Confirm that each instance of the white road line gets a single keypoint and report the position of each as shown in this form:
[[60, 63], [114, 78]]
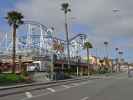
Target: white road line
[[37, 96], [66, 86], [83, 83], [50, 89], [28, 94], [85, 98], [75, 84]]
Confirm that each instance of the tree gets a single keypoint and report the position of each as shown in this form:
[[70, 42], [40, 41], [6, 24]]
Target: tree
[[106, 47], [65, 9], [58, 47], [117, 52], [116, 49], [14, 19], [120, 59], [87, 46]]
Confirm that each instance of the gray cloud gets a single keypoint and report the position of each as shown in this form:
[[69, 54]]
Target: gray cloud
[[97, 14]]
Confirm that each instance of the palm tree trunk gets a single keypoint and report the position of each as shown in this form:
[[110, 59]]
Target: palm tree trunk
[[88, 60], [14, 49]]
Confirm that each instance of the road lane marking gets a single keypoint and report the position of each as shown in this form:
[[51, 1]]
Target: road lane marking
[[37, 96], [75, 84], [83, 83], [28, 94], [50, 89], [85, 98], [66, 86]]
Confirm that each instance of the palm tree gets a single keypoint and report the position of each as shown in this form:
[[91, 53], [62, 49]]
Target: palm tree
[[120, 59], [14, 19], [120, 54], [116, 49], [65, 8], [87, 46], [106, 47]]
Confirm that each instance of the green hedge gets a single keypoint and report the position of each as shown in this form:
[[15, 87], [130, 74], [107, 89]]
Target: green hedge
[[10, 79], [103, 71]]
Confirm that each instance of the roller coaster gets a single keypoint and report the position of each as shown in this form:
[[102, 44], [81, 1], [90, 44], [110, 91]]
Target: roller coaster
[[38, 40]]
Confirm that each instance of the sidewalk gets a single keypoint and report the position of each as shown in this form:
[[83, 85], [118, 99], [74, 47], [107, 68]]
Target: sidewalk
[[23, 84], [39, 83], [110, 75], [96, 76]]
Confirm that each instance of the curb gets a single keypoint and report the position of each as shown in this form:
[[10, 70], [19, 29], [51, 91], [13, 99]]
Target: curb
[[41, 83], [8, 91]]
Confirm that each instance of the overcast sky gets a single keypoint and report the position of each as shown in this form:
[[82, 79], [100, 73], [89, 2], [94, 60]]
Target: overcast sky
[[99, 19]]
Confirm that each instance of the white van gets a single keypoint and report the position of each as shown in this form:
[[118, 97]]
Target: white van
[[38, 66]]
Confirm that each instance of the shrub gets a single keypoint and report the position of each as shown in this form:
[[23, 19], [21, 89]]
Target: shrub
[[11, 78], [103, 70]]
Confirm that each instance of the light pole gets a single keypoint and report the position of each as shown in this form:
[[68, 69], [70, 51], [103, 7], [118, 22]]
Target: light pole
[[65, 8], [116, 49], [106, 48], [128, 66], [120, 58], [106, 55]]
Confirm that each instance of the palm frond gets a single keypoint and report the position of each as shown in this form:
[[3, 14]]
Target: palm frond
[[87, 45], [14, 17], [65, 7]]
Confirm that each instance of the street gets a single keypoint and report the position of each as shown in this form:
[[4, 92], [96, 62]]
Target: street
[[66, 50], [117, 87]]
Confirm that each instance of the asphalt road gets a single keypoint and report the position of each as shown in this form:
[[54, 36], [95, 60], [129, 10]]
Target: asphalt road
[[115, 88]]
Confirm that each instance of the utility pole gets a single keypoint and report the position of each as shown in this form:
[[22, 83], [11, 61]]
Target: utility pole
[[20, 63], [106, 55], [117, 58], [53, 59], [128, 70], [120, 59]]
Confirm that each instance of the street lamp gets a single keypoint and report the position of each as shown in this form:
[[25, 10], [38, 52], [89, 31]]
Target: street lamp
[[120, 58], [106, 47], [65, 8], [106, 56], [117, 64]]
